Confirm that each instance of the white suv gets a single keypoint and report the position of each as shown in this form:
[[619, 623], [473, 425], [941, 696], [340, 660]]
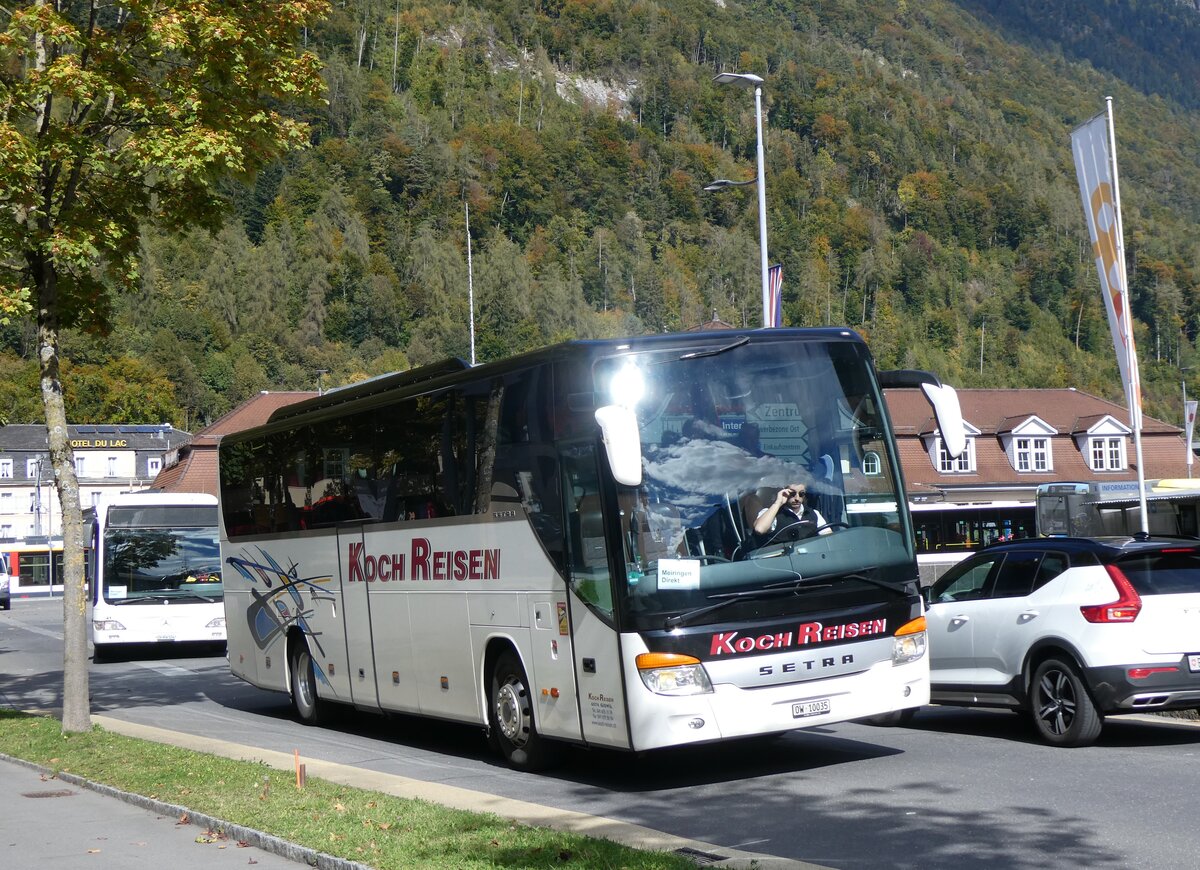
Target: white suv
[[1070, 630]]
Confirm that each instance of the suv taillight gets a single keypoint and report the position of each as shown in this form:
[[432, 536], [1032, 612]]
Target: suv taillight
[[1125, 609]]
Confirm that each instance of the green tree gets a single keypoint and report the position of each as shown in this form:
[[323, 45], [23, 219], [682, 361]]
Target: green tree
[[112, 115], [125, 388]]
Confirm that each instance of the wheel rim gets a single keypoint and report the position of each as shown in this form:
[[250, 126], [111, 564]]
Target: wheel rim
[[1056, 709], [511, 714], [304, 689]]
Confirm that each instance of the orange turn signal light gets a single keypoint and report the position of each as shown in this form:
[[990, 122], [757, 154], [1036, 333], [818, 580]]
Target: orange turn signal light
[[913, 626], [650, 661]]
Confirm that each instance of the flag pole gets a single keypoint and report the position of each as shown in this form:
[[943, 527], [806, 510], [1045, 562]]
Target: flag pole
[[470, 280], [1135, 394]]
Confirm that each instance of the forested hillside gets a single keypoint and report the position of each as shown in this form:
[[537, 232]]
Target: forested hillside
[[919, 178]]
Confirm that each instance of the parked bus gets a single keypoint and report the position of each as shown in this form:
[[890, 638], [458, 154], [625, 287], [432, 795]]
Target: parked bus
[[946, 533], [1114, 508], [156, 571], [559, 547], [35, 567]]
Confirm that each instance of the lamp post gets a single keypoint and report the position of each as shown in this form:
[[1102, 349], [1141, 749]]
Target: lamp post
[[37, 499], [39, 464], [750, 80]]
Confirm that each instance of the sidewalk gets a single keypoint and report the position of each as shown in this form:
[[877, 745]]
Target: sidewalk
[[67, 823], [58, 824]]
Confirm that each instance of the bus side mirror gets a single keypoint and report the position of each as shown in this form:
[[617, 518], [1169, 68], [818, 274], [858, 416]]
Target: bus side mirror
[[622, 443], [943, 398], [948, 413]]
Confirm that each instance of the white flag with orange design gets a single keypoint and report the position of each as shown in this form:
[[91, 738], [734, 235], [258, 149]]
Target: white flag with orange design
[[1189, 419], [1101, 206]]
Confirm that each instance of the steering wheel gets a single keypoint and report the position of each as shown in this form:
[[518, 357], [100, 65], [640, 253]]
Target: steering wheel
[[836, 524]]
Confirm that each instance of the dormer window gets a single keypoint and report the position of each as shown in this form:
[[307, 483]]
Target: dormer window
[[943, 461], [963, 464], [1102, 441], [871, 465], [1029, 446], [1033, 454], [1107, 453]]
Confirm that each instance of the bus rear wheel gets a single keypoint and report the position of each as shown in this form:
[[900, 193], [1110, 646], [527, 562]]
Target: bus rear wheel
[[510, 716], [304, 686]]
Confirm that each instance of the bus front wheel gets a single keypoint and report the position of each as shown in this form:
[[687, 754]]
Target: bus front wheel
[[304, 686], [510, 715]]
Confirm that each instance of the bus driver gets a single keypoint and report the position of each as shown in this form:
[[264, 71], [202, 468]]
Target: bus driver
[[789, 509]]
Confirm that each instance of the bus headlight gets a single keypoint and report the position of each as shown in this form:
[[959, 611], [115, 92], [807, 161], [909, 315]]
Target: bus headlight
[[107, 625], [219, 622], [673, 674], [908, 644]]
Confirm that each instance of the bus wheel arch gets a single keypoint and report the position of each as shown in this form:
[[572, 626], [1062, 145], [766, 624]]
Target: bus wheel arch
[[302, 681], [511, 709]]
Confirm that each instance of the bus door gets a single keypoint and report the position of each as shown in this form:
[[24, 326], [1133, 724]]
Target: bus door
[[595, 642], [356, 619]]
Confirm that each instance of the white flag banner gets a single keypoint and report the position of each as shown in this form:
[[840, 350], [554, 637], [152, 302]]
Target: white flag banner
[[1097, 186], [1189, 415]]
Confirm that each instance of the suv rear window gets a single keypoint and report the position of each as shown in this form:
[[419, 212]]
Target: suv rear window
[[1163, 573]]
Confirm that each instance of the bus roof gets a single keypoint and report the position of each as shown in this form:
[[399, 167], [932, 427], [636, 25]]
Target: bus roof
[[456, 370]]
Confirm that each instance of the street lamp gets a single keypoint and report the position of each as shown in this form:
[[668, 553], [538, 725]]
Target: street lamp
[[750, 80], [37, 498]]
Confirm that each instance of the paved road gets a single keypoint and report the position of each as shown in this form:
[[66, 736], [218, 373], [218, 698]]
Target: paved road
[[958, 789]]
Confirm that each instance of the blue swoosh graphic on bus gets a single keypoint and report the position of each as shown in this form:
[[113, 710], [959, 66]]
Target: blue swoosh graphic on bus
[[270, 614]]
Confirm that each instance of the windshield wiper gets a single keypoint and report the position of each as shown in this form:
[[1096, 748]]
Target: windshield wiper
[[697, 354], [207, 598], [860, 574], [163, 596], [145, 596], [727, 598], [784, 588]]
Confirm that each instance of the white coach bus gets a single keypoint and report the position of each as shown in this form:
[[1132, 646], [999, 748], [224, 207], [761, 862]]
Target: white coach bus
[[559, 546], [156, 571]]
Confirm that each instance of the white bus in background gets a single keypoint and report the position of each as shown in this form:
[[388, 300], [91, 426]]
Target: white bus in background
[[1114, 508], [156, 571], [559, 547]]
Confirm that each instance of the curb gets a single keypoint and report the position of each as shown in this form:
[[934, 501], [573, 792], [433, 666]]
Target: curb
[[258, 839], [523, 812]]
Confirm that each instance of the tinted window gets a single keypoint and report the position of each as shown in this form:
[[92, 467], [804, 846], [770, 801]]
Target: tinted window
[[1163, 573], [1016, 575], [965, 582], [1052, 565]]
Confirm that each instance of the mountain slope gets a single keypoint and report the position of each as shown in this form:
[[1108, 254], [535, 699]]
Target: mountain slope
[[919, 181]]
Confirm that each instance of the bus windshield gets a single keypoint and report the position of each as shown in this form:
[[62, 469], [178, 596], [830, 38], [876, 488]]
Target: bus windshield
[[723, 433], [177, 557]]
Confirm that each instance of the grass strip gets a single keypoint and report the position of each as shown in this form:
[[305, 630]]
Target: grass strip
[[381, 830]]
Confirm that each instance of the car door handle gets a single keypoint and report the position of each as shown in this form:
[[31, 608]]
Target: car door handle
[[1027, 615], [960, 619]]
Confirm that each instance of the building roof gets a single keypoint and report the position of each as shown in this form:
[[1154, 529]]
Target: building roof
[[32, 436], [997, 412], [194, 467]]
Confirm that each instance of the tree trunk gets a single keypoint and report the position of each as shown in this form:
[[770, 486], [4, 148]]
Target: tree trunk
[[76, 706]]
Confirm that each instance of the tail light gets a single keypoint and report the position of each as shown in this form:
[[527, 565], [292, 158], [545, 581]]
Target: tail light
[[1125, 609], [1143, 673]]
